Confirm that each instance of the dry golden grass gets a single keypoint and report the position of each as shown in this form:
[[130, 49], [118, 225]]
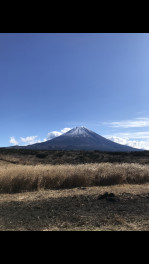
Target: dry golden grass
[[19, 178]]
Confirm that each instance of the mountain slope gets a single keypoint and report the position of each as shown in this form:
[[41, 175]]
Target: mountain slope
[[81, 138]]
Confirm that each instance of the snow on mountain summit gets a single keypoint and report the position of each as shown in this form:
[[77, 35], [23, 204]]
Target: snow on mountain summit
[[78, 131]]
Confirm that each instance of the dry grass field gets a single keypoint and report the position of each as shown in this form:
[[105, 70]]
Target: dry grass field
[[87, 197], [18, 178]]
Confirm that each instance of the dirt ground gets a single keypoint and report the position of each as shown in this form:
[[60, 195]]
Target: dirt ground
[[78, 209]]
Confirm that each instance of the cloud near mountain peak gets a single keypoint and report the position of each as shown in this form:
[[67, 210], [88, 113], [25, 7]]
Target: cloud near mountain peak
[[34, 139]]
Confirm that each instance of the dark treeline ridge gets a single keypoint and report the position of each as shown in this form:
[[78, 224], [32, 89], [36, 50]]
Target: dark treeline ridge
[[25, 156]]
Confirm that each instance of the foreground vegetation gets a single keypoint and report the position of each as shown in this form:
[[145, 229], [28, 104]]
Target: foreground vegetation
[[74, 190], [19, 178]]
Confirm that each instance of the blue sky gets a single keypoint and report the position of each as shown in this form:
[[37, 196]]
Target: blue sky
[[51, 82]]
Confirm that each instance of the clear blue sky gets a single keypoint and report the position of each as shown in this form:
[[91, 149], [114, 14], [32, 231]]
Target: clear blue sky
[[53, 81]]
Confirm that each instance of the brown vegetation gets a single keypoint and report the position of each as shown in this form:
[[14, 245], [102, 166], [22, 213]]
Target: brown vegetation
[[19, 178], [60, 190]]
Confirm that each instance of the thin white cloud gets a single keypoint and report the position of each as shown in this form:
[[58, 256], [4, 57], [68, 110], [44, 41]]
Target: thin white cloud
[[138, 122], [13, 141], [140, 144], [34, 139], [134, 135], [66, 129], [30, 140], [54, 134]]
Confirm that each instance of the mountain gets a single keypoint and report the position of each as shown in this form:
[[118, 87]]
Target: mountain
[[81, 138]]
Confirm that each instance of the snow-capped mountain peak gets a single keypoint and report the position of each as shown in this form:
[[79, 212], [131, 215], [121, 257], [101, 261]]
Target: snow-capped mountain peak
[[79, 131]]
